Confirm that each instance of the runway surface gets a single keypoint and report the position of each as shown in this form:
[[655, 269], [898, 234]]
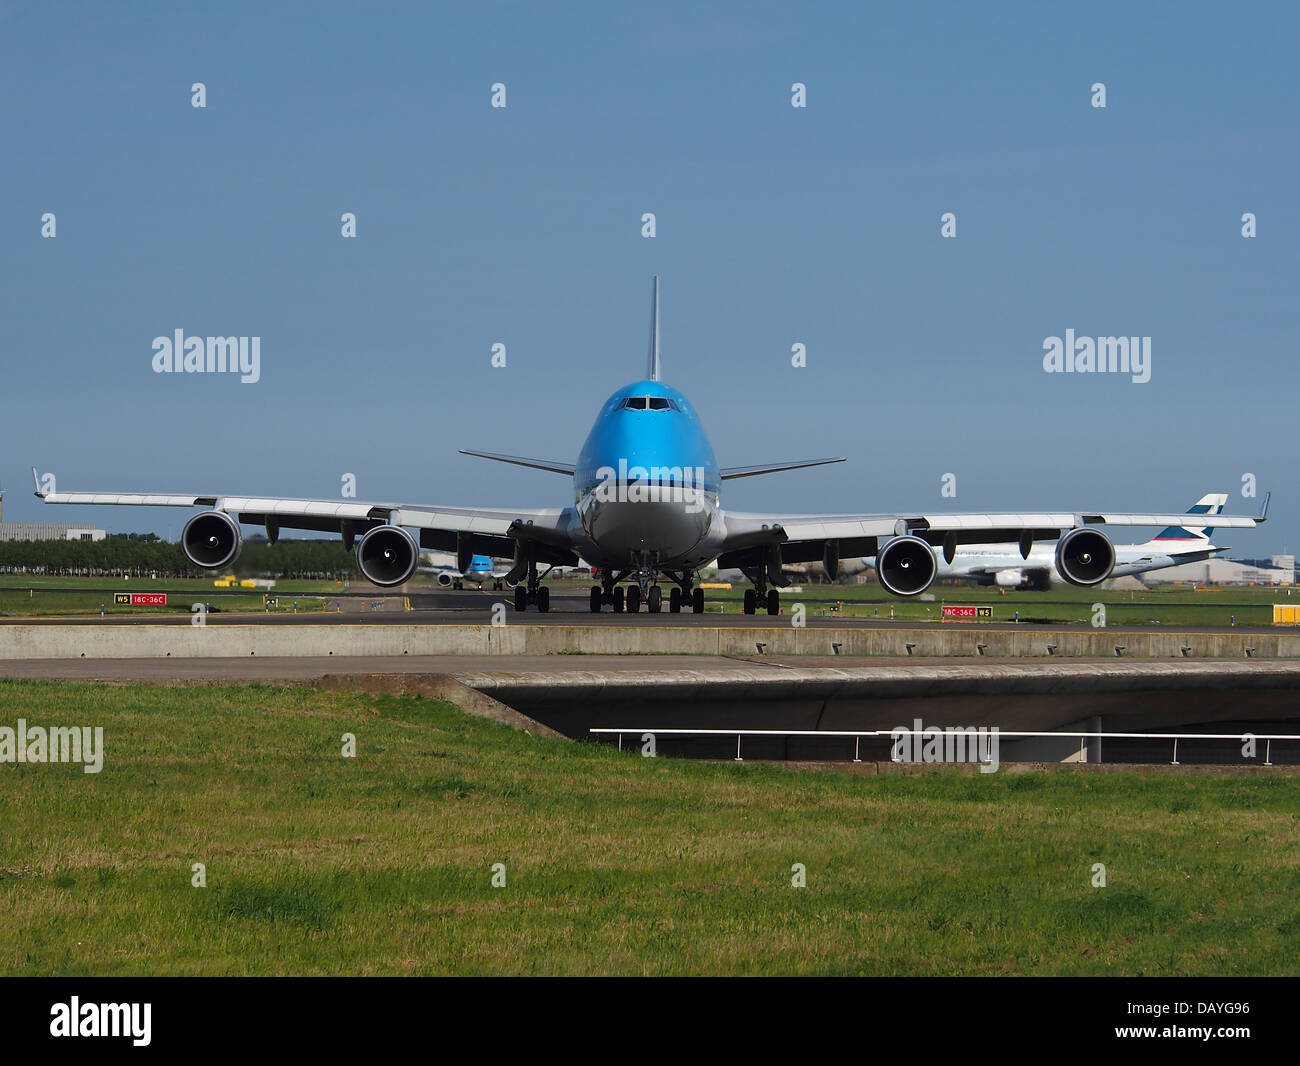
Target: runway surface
[[703, 668], [569, 606], [564, 616]]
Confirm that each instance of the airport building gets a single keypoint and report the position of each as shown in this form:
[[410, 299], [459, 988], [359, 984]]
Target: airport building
[[1279, 570], [44, 530]]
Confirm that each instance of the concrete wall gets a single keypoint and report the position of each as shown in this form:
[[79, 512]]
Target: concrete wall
[[223, 641]]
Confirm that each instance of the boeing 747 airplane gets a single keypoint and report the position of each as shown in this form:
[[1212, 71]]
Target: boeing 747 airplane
[[646, 507]]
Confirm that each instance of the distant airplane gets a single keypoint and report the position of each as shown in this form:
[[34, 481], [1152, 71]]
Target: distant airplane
[[1004, 566], [647, 506], [479, 572]]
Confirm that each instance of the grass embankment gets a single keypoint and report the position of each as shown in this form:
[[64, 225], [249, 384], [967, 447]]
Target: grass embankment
[[615, 864]]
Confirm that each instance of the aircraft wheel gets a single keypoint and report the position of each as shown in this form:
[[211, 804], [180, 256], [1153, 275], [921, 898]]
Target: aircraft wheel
[[595, 599], [521, 598], [751, 601], [773, 602], [543, 599], [618, 600], [633, 599], [655, 601], [697, 601], [674, 601]]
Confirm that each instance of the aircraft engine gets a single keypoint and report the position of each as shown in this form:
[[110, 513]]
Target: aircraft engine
[[445, 580], [387, 555], [905, 566], [1009, 579], [1085, 557], [211, 539]]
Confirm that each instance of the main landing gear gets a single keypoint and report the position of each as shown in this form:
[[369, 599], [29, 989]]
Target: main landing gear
[[647, 591], [533, 592], [540, 597], [753, 597], [608, 593]]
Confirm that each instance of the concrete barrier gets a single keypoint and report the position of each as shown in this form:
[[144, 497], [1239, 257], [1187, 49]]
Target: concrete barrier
[[19, 641]]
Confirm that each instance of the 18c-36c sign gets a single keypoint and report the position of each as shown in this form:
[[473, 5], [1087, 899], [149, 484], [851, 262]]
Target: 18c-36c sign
[[968, 612]]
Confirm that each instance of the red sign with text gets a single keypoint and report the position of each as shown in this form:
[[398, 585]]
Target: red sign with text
[[968, 612], [141, 599]]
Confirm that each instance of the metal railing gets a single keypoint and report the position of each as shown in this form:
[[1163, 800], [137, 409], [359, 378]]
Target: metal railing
[[874, 734]]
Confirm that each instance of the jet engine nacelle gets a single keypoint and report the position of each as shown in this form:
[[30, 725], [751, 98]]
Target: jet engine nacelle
[[1085, 557], [445, 580], [1009, 579], [905, 566], [387, 555], [211, 539]]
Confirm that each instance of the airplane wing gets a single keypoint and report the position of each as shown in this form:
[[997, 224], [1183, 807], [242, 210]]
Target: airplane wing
[[489, 530], [804, 537]]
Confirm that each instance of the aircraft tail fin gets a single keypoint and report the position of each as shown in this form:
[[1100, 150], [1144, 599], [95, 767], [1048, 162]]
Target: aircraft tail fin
[[1192, 533], [652, 368]]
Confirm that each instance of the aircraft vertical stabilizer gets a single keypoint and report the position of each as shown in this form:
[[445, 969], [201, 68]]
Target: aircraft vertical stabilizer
[[652, 370]]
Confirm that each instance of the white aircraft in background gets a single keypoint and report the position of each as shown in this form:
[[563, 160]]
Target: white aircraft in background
[[1005, 566]]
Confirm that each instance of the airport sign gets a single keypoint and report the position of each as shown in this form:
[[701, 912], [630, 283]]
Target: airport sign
[[968, 612], [140, 599]]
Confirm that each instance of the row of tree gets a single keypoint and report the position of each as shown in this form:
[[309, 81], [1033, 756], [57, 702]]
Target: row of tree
[[142, 555]]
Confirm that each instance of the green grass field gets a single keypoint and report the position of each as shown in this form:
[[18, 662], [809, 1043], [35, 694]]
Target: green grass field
[[615, 864], [38, 596], [144, 584], [1164, 605]]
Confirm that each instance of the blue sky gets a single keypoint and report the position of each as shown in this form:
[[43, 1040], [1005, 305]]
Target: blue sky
[[775, 225]]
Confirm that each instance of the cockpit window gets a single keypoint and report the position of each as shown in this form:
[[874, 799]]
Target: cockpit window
[[650, 403]]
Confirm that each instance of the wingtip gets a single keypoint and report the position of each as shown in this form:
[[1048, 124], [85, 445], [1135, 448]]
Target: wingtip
[[36, 482], [1264, 510]]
